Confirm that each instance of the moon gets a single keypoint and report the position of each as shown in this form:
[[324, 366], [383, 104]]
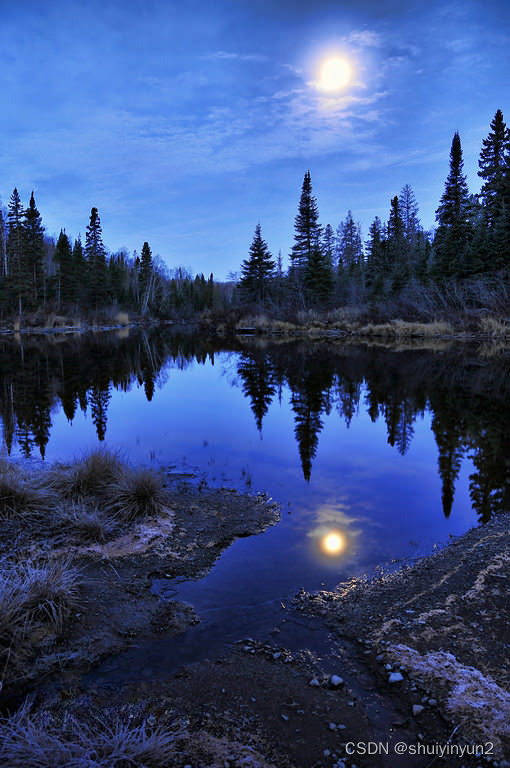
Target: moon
[[333, 543], [335, 74]]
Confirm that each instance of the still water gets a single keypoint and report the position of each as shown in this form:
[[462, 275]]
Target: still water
[[387, 452]]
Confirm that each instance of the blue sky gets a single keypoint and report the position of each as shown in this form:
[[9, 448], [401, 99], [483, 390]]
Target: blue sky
[[185, 123]]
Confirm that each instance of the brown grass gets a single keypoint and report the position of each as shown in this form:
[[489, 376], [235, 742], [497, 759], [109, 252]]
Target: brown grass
[[89, 476], [135, 494], [17, 497]]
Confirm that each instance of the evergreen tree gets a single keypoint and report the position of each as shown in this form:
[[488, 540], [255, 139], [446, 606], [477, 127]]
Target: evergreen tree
[[328, 244], [257, 270], [307, 230], [80, 271], [3, 246], [63, 256], [453, 215], [16, 263], [376, 265], [396, 247], [146, 276], [318, 277], [349, 247], [33, 231], [95, 253], [492, 164]]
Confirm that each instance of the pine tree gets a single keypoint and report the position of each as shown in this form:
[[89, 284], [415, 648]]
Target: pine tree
[[80, 271], [328, 244], [95, 253], [63, 256], [349, 247], [318, 277], [376, 263], [33, 231], [307, 230], [396, 247], [492, 165], [453, 214], [145, 276], [257, 270], [16, 262], [3, 247]]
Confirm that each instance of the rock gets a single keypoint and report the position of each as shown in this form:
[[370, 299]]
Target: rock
[[417, 709], [432, 702], [285, 717], [335, 681], [276, 655], [314, 683], [395, 677]]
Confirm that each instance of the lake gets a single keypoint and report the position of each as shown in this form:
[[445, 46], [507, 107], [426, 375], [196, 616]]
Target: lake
[[376, 455]]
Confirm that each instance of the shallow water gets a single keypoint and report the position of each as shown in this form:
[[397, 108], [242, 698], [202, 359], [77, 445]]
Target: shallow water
[[392, 452]]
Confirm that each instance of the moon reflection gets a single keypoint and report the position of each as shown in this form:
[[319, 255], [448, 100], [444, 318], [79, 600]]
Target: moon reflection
[[333, 543]]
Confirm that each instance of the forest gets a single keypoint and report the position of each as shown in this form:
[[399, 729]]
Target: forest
[[401, 270]]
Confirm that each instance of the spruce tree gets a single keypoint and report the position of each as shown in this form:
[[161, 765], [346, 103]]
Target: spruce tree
[[95, 253], [257, 270], [492, 164], [33, 232], [145, 276], [453, 215], [63, 256], [318, 278], [306, 229], [376, 265], [80, 271], [349, 247], [19, 277], [396, 247]]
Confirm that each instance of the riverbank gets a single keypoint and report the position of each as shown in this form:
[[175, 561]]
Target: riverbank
[[416, 657]]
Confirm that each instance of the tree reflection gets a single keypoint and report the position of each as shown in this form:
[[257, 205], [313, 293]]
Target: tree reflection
[[469, 403]]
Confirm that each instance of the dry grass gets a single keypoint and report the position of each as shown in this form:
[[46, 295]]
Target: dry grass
[[122, 318], [41, 741], [17, 497], [89, 476], [34, 596], [135, 494], [400, 329], [89, 522]]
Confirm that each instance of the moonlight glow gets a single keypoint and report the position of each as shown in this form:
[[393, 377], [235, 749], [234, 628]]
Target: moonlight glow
[[333, 543], [335, 74]]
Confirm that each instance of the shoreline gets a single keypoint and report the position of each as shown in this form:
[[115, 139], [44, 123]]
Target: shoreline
[[414, 656]]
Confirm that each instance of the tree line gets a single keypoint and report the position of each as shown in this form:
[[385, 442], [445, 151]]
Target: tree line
[[328, 268], [38, 274]]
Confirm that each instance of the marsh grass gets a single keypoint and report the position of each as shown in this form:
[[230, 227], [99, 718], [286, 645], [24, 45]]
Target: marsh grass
[[495, 328], [89, 522], [89, 476], [19, 498], [28, 739], [32, 596], [135, 494]]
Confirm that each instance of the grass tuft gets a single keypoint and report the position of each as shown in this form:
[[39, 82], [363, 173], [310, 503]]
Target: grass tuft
[[89, 476], [40, 740], [89, 523], [136, 494], [17, 497]]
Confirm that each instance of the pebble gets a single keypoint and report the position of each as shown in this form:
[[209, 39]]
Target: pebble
[[417, 709], [388, 666], [395, 677], [335, 681], [285, 717], [332, 726], [276, 655], [432, 702], [314, 683]]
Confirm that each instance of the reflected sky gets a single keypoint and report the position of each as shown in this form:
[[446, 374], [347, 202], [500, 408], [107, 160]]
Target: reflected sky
[[335, 449]]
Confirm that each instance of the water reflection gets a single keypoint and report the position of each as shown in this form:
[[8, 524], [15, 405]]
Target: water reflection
[[333, 543], [466, 395]]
